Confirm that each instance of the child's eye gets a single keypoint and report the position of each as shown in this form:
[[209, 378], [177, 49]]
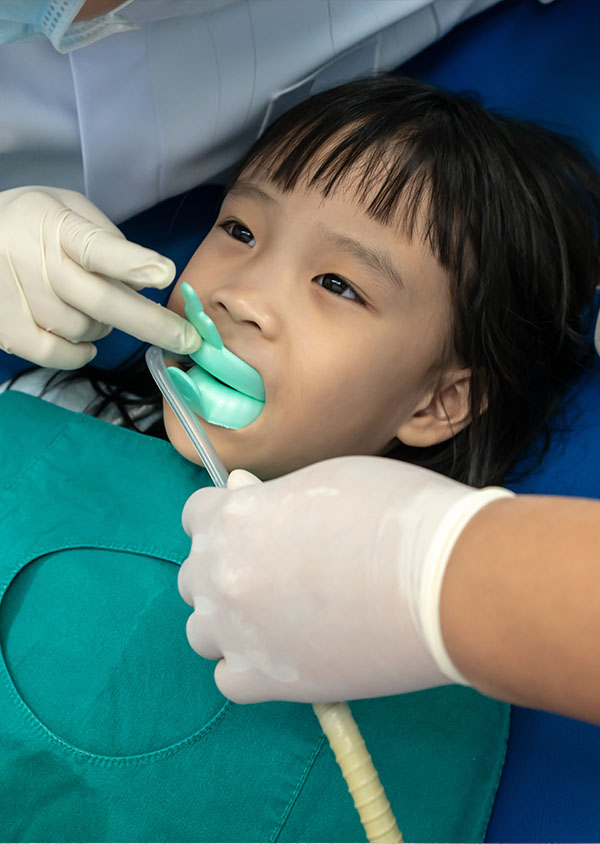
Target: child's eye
[[337, 285], [238, 231]]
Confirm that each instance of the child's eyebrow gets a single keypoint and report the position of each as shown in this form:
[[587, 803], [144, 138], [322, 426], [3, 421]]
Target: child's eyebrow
[[250, 190], [376, 260]]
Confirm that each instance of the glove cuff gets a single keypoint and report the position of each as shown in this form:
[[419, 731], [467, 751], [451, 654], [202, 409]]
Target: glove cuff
[[434, 568]]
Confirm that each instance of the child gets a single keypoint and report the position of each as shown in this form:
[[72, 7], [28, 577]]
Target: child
[[407, 273]]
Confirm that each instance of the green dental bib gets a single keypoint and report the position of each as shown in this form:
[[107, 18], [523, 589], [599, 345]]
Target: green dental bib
[[111, 728]]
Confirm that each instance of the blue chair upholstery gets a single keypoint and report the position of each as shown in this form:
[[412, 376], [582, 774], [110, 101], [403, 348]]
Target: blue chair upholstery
[[528, 60]]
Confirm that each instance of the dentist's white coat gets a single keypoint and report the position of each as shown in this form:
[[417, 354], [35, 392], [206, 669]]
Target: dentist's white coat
[[143, 115]]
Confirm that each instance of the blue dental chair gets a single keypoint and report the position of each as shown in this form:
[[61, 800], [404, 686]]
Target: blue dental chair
[[541, 62]]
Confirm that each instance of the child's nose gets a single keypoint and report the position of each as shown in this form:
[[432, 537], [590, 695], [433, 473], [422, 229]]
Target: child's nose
[[251, 304]]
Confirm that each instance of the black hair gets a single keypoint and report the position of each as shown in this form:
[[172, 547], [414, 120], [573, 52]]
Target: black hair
[[512, 212], [124, 395]]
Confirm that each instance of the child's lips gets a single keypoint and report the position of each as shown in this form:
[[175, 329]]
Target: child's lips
[[217, 402], [226, 366], [186, 363], [220, 387]]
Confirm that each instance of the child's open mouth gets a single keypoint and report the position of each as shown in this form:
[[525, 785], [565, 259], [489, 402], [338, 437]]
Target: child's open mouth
[[220, 387], [215, 401]]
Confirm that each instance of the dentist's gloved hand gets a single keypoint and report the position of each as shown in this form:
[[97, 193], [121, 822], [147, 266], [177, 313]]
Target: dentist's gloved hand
[[68, 276], [324, 584]]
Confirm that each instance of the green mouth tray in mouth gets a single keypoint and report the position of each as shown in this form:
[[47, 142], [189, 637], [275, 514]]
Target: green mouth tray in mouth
[[220, 387]]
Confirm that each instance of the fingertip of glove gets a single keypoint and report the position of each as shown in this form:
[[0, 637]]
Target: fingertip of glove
[[240, 478], [178, 335], [191, 340]]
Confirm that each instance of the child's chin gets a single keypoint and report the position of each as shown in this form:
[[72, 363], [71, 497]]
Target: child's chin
[[233, 448]]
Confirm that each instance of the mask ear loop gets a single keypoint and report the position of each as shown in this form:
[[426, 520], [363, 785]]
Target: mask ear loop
[[336, 719]]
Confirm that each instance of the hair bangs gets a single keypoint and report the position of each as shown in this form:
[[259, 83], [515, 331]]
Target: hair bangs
[[384, 166]]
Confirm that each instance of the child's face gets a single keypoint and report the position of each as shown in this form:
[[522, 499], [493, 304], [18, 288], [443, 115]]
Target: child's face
[[342, 316]]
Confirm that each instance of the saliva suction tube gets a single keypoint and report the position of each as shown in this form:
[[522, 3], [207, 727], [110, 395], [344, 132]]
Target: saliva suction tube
[[233, 401]]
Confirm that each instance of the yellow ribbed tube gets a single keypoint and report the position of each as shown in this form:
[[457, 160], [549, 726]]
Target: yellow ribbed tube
[[359, 772]]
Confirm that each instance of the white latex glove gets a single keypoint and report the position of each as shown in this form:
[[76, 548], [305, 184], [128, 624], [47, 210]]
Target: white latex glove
[[68, 276], [324, 584]]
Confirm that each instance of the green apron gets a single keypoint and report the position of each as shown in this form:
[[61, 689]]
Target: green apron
[[111, 727]]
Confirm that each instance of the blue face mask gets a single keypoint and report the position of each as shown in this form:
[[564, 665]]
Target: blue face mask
[[30, 20]]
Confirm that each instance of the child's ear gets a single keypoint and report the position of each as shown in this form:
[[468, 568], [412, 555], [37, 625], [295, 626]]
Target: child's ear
[[441, 414]]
